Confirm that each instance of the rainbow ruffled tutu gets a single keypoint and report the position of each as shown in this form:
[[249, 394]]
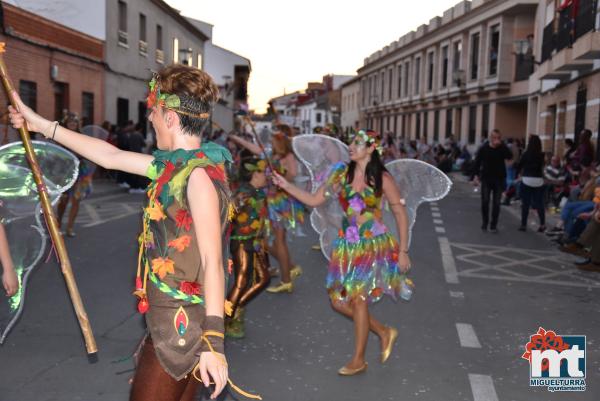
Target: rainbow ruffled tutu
[[364, 267], [285, 211]]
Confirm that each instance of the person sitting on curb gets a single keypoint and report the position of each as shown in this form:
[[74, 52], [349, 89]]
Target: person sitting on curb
[[590, 238]]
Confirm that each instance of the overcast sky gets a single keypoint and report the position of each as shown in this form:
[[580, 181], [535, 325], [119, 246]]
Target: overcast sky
[[292, 43]]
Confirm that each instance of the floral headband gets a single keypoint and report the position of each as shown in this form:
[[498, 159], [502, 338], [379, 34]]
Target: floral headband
[[167, 100], [259, 166], [370, 138]]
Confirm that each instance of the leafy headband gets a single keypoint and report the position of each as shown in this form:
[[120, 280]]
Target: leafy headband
[[167, 100], [370, 138]]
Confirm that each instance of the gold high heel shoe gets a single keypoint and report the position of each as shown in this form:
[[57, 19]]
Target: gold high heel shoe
[[344, 371], [388, 348], [295, 272], [282, 287]]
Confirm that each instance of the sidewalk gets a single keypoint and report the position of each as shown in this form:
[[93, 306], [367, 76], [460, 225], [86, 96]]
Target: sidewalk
[[552, 219]]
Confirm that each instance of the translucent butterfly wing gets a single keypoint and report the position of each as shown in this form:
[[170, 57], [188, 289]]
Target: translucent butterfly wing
[[418, 182], [20, 211], [318, 153], [18, 191]]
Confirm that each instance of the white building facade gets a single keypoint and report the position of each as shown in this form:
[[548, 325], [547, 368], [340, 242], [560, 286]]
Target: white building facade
[[350, 118]]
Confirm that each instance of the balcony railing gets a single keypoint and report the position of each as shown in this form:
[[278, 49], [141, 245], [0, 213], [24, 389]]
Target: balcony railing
[[160, 56], [523, 66], [548, 42], [564, 37], [571, 25], [122, 38], [586, 17]]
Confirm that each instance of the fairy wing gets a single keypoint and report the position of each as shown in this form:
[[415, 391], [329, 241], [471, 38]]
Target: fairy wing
[[18, 191], [418, 182], [20, 211], [318, 153]]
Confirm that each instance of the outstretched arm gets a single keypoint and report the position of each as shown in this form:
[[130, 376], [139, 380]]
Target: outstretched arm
[[9, 276], [96, 150], [396, 202], [252, 147], [312, 200]]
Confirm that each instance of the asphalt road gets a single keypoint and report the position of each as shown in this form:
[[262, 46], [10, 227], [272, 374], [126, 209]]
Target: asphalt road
[[479, 297]]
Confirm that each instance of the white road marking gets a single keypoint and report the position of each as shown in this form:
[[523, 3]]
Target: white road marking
[[440, 230], [520, 264], [483, 388], [91, 211], [435, 209], [438, 221], [467, 336], [433, 203], [457, 294], [448, 261], [436, 214]]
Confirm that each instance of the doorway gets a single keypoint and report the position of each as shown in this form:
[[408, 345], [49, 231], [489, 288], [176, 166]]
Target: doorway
[[61, 100]]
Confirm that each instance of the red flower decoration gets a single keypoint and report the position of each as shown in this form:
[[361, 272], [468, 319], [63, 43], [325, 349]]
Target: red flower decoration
[[164, 177], [183, 219], [216, 173], [143, 306], [544, 340], [189, 287], [200, 155]]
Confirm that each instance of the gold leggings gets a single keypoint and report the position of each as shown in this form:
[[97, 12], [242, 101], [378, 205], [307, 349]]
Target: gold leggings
[[251, 269]]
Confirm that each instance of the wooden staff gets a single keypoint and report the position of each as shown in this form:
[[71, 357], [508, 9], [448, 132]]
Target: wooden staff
[[57, 239], [259, 142]]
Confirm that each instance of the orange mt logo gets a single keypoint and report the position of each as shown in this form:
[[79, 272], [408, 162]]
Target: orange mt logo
[[557, 362]]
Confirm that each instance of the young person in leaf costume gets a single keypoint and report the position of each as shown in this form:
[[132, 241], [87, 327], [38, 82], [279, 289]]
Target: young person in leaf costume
[[184, 301], [249, 235]]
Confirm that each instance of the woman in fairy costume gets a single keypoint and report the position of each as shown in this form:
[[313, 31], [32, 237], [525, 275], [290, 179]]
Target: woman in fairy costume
[[185, 298], [285, 212], [367, 261], [249, 234], [81, 189]]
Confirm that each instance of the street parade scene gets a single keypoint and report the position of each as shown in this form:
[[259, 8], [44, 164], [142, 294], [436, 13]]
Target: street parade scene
[[204, 200]]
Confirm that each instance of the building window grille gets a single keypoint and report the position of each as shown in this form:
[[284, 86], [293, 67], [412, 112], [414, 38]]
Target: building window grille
[[430, 72], [87, 108], [399, 81], [475, 56], [417, 75], [445, 66], [494, 50], [122, 33]]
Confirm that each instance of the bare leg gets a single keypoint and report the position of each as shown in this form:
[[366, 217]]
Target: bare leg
[[282, 254], [73, 213], [374, 325], [60, 209], [360, 316]]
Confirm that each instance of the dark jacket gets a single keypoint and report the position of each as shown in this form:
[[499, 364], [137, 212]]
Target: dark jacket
[[490, 162], [531, 164]]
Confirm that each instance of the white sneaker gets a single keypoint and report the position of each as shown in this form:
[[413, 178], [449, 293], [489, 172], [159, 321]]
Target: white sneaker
[[124, 185]]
